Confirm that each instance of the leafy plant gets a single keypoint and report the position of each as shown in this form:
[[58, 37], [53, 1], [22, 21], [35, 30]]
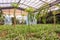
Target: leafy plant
[[43, 32], [30, 11], [42, 12], [15, 5]]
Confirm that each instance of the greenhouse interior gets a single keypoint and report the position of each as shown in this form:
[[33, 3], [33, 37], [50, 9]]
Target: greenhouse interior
[[29, 19]]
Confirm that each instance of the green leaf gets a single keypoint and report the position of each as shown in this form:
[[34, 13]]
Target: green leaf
[[15, 5], [29, 10]]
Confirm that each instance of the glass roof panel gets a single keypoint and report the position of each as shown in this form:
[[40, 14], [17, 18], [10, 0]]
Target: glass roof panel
[[36, 3], [8, 1], [54, 8], [49, 1], [23, 6], [32, 3], [22, 1], [25, 3], [5, 5]]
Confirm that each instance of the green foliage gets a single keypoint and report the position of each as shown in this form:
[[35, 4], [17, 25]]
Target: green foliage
[[43, 7], [29, 10], [15, 5], [58, 5], [35, 32], [42, 12], [57, 29]]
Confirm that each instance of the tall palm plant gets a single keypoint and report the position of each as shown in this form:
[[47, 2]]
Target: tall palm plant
[[30, 14], [54, 14], [15, 5], [29, 17]]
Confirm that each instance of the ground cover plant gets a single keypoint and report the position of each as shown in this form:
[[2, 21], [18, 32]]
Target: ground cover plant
[[32, 32]]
